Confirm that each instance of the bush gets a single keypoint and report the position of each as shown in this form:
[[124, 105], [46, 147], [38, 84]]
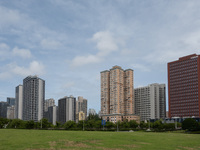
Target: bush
[[190, 125]]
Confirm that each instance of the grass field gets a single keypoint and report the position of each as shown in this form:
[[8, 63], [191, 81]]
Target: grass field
[[52, 139]]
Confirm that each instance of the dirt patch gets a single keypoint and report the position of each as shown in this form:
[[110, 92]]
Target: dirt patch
[[131, 146], [103, 148], [52, 143], [144, 143], [75, 144], [187, 148]]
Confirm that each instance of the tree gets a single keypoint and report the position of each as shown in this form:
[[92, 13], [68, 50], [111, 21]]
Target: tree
[[133, 124], [158, 125], [16, 123], [93, 117], [109, 125], [3, 122], [143, 125], [69, 125], [44, 123], [190, 124], [30, 124]]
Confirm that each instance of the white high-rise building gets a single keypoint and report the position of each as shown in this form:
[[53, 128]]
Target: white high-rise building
[[33, 98], [19, 102], [150, 101], [67, 109]]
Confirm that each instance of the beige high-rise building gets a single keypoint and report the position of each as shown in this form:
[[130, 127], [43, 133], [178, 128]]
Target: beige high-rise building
[[117, 92]]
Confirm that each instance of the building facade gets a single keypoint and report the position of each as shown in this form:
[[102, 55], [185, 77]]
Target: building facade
[[150, 101], [67, 109], [11, 101], [81, 105], [19, 102], [3, 109], [33, 98], [117, 93], [48, 103], [52, 114], [184, 87], [11, 112]]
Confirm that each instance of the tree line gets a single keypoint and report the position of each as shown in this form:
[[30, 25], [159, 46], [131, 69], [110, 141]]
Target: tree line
[[94, 123]]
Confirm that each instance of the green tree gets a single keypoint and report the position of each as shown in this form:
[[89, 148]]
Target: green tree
[[109, 125], [3, 122], [30, 124], [133, 124], [16, 123], [143, 125], [69, 125], [93, 117], [44, 123], [190, 124], [158, 125]]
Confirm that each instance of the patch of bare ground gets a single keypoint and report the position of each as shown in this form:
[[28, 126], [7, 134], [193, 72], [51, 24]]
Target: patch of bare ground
[[144, 143], [103, 148], [131, 146], [94, 141], [76, 144], [52, 143], [187, 148]]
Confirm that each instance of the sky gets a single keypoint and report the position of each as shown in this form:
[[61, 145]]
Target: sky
[[69, 42]]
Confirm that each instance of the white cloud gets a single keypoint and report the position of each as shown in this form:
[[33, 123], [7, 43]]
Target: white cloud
[[9, 70], [4, 51], [141, 67], [50, 44], [105, 43], [35, 68], [84, 60], [24, 53]]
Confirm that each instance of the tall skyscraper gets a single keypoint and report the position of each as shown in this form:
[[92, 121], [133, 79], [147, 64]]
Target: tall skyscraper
[[117, 94], [33, 98], [67, 109], [150, 101], [184, 86], [92, 111], [117, 91], [19, 102], [81, 105]]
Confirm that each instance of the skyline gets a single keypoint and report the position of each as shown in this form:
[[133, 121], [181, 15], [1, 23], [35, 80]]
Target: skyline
[[68, 43]]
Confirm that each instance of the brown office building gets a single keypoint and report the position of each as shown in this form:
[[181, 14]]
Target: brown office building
[[184, 87], [117, 93]]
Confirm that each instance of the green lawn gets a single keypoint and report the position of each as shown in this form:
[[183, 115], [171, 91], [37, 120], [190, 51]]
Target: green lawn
[[59, 140]]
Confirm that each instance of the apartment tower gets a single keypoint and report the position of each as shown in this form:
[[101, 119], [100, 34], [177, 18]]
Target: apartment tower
[[67, 109], [19, 102], [117, 91], [150, 101], [184, 86], [33, 98]]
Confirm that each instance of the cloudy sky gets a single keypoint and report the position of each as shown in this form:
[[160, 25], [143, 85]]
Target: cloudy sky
[[69, 42]]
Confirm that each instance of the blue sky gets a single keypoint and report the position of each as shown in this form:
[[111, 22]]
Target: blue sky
[[69, 42]]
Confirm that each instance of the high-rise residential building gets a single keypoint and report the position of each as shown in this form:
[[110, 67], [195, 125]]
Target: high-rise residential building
[[81, 105], [19, 102], [52, 114], [48, 103], [92, 111], [33, 98], [184, 86], [11, 112], [150, 101], [11, 101], [117, 91], [67, 109], [3, 109]]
